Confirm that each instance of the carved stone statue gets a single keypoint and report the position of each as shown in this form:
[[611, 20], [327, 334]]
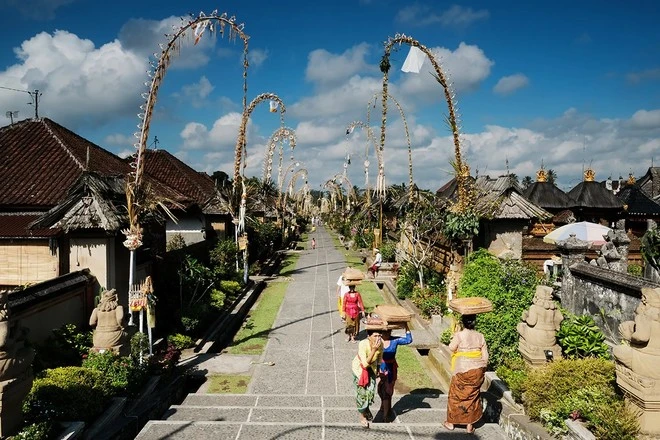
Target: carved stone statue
[[538, 328], [638, 360], [15, 357], [15, 370], [108, 317]]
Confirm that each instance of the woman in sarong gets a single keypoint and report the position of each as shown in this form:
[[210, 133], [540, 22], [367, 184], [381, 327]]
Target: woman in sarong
[[389, 369], [353, 305], [365, 369], [469, 361]]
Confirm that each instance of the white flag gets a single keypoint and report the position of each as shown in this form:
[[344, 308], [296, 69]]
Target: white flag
[[414, 60]]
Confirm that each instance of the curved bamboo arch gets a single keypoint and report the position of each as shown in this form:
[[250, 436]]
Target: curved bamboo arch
[[379, 154], [281, 135], [292, 183], [350, 191], [164, 59], [462, 170], [371, 104], [240, 151], [335, 192]]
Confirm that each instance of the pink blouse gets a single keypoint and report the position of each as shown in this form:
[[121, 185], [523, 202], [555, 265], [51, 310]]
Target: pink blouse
[[469, 340]]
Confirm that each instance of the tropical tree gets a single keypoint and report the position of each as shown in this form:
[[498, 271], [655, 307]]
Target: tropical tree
[[552, 176], [421, 233], [526, 182]]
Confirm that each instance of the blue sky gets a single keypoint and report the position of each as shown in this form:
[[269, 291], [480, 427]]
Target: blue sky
[[566, 84]]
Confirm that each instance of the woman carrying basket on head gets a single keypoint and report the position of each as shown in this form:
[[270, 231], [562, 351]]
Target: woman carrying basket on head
[[389, 369]]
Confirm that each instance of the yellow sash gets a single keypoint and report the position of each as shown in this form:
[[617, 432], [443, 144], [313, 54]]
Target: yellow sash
[[468, 354]]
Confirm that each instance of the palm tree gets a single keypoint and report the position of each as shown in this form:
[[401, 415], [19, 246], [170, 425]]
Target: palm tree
[[552, 176], [526, 182]]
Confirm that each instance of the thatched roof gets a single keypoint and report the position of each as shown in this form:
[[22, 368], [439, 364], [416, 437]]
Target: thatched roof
[[548, 196], [93, 202], [502, 198], [591, 194], [637, 202], [650, 182]]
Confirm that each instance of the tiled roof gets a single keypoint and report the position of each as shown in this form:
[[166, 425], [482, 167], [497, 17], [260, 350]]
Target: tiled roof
[[40, 160], [15, 225], [638, 202], [589, 194], [548, 196]]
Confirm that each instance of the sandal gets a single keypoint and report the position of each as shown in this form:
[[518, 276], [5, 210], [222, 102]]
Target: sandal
[[448, 426], [470, 429]]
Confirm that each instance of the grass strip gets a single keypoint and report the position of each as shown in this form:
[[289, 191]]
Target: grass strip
[[289, 264], [227, 384], [253, 335], [412, 374]]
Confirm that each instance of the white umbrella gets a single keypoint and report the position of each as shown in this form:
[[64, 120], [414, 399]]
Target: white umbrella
[[586, 231]]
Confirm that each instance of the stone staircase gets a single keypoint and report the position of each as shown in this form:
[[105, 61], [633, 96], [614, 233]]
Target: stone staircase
[[256, 417]]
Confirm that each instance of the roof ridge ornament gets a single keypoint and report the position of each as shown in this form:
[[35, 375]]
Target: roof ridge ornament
[[589, 175], [541, 175]]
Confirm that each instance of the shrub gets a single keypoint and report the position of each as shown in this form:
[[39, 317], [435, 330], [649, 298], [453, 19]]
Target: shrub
[[406, 281], [175, 243], [635, 270], [429, 302], [547, 387], [37, 431], [580, 337], [180, 341], [513, 373], [510, 285], [125, 374], [65, 347], [164, 362], [67, 393], [388, 251], [446, 335], [139, 345], [217, 300], [614, 421], [223, 259], [230, 287]]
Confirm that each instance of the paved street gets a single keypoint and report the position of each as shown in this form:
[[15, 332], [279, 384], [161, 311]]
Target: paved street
[[307, 392]]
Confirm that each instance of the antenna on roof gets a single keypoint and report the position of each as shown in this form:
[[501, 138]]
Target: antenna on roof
[[34, 95], [584, 153], [507, 165], [155, 143], [11, 115]]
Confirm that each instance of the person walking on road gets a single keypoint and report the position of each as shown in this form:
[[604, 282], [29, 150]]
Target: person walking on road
[[313, 243], [353, 306], [389, 369], [342, 288], [365, 369], [469, 361]]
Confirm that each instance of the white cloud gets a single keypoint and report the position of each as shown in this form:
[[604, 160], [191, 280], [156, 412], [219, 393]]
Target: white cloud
[[466, 67], [196, 93], [221, 137], [80, 82], [456, 16], [646, 119], [256, 57], [328, 69], [643, 75], [509, 84], [119, 140]]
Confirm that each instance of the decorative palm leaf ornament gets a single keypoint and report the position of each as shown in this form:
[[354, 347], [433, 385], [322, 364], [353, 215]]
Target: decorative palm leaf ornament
[[371, 140], [465, 194], [279, 137]]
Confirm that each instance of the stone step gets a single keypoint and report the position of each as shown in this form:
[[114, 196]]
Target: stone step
[[348, 428]]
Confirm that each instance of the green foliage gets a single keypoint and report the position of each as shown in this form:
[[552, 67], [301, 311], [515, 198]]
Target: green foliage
[[446, 335], [66, 346], [459, 226], [650, 247], [139, 345], [180, 341], [124, 373], [614, 420], [430, 301], [264, 238], [510, 285], [175, 243], [635, 270], [217, 300], [388, 251], [364, 239], [405, 282], [37, 431], [223, 259], [548, 388], [513, 373], [580, 337], [582, 403], [67, 393], [230, 287]]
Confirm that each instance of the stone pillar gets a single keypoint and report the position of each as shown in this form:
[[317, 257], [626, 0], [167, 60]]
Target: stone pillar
[[621, 241], [12, 393], [572, 251]]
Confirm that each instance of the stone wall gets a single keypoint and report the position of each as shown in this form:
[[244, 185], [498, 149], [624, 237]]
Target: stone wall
[[610, 297]]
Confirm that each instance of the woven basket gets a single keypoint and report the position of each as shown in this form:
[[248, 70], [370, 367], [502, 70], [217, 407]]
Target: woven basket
[[393, 313], [352, 277], [471, 306]]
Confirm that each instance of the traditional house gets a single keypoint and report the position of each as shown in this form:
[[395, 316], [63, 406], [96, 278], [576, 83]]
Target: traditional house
[[546, 195], [506, 216], [639, 207], [207, 215], [650, 182], [594, 203]]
